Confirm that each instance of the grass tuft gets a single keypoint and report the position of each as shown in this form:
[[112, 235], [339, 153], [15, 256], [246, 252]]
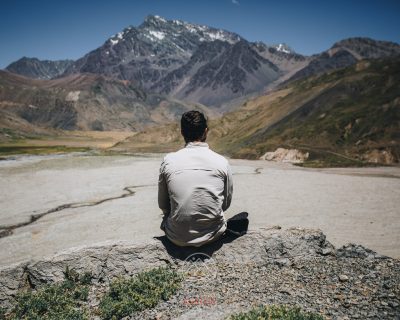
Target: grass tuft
[[36, 150], [141, 292], [63, 300], [276, 312]]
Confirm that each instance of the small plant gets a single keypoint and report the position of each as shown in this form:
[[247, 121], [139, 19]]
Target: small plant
[[2, 313], [276, 313], [56, 301], [140, 292]]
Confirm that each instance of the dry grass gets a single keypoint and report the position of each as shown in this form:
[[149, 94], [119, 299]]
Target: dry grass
[[64, 141]]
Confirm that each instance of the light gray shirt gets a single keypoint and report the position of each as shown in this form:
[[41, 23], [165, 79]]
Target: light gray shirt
[[194, 189]]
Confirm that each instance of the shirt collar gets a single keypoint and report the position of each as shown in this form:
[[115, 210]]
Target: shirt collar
[[196, 144]]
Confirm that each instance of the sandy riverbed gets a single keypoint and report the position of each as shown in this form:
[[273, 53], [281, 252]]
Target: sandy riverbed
[[94, 199]]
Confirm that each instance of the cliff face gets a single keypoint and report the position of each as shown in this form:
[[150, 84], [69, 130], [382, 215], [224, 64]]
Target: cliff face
[[271, 266]]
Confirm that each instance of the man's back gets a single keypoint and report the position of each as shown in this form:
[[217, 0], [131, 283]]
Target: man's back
[[195, 187]]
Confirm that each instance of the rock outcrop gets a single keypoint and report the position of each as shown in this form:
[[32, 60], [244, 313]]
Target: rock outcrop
[[286, 155], [379, 156]]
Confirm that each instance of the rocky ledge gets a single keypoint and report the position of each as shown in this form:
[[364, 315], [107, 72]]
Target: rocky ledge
[[268, 266]]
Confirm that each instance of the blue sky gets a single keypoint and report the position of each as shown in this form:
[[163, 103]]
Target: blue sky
[[61, 29]]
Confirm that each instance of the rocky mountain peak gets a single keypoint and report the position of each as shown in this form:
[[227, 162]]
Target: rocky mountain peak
[[161, 28], [39, 69], [367, 48]]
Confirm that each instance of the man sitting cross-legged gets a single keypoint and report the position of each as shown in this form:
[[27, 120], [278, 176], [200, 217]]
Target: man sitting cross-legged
[[195, 188]]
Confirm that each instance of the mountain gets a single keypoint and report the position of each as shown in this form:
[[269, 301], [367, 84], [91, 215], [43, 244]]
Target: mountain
[[150, 74], [83, 102], [341, 118], [218, 72], [202, 64], [39, 69], [187, 61], [146, 53], [346, 53]]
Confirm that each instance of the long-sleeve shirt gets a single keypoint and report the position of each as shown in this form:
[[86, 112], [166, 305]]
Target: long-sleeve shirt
[[194, 189]]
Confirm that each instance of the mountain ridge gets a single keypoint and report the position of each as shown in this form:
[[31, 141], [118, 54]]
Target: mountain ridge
[[39, 69], [173, 57]]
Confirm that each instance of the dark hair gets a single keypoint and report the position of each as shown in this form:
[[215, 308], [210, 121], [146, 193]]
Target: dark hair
[[193, 125]]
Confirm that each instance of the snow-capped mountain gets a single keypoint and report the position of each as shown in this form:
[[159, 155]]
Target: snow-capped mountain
[[198, 63], [147, 53], [184, 60]]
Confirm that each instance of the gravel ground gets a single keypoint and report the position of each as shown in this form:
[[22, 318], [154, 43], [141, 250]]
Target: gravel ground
[[338, 287], [272, 266]]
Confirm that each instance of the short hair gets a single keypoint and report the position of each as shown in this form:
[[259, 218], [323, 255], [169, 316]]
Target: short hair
[[193, 125]]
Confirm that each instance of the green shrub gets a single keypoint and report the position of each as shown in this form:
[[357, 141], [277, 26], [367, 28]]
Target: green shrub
[[138, 293], [56, 301], [276, 312], [2, 313]]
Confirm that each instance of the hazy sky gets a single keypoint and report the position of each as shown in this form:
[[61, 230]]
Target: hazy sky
[[61, 29]]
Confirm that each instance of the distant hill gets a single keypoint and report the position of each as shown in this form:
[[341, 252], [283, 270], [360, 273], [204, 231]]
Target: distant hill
[[39, 69], [354, 112], [82, 102], [346, 53]]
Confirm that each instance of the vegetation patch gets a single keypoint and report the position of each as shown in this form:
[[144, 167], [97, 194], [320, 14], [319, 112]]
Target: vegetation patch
[[65, 300], [36, 150], [327, 159], [143, 291], [276, 312]]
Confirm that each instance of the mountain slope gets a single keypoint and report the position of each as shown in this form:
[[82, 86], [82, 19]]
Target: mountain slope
[[346, 53], [83, 102], [354, 112], [39, 69], [218, 72]]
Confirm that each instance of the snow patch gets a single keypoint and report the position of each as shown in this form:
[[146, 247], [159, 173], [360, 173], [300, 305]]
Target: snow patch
[[119, 35], [190, 27], [114, 42], [282, 48], [159, 18], [149, 37], [216, 36], [158, 34]]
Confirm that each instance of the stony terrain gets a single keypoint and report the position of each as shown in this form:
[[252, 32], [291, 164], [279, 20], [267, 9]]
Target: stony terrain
[[271, 266]]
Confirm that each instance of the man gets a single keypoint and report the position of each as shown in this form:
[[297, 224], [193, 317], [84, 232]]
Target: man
[[195, 187]]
